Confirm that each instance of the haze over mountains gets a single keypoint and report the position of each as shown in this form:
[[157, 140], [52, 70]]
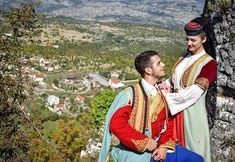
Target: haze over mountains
[[168, 13]]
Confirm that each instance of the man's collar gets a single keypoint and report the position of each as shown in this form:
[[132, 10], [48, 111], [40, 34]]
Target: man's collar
[[149, 88]]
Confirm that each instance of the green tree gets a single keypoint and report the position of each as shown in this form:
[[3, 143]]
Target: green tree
[[15, 87], [70, 138], [100, 105], [39, 152]]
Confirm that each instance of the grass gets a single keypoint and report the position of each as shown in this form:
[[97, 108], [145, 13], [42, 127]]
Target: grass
[[49, 128]]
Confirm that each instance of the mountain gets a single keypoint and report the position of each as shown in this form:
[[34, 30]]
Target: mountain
[[168, 13]]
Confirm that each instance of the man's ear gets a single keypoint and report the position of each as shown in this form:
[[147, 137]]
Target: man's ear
[[148, 70]]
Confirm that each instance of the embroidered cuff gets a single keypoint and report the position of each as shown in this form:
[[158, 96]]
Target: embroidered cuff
[[141, 145], [202, 83], [169, 145]]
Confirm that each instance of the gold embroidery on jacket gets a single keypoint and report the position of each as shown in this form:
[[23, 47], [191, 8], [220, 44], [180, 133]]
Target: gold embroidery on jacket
[[188, 76], [136, 119], [141, 144], [156, 107], [202, 83], [169, 144]]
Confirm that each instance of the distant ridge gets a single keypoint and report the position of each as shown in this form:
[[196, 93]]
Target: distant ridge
[[166, 13]]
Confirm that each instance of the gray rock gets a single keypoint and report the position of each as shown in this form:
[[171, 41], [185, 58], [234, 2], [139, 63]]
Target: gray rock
[[221, 102], [219, 39], [230, 106], [231, 53], [221, 80], [231, 84], [232, 76], [224, 54], [229, 18], [221, 66], [228, 68], [225, 25], [223, 133]]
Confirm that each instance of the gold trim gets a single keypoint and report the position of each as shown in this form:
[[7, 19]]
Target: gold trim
[[156, 107], [169, 144], [202, 82], [141, 145], [189, 74], [136, 119], [176, 64]]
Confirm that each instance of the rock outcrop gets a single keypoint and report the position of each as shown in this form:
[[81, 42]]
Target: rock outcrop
[[223, 132]]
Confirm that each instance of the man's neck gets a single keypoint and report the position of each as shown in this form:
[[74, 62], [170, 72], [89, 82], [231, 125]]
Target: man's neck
[[150, 80]]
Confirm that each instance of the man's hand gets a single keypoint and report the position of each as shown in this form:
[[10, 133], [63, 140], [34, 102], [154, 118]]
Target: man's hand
[[159, 154], [152, 145]]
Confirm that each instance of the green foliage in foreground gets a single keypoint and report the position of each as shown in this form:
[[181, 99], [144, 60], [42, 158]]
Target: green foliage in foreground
[[15, 86], [99, 107]]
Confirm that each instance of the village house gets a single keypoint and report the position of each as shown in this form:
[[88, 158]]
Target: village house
[[114, 75], [58, 108], [46, 64], [43, 62], [56, 46], [71, 80], [49, 67], [115, 83], [53, 100], [80, 99], [38, 77]]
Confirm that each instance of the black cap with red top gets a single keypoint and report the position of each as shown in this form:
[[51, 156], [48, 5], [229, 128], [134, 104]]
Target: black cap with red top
[[202, 25], [196, 26]]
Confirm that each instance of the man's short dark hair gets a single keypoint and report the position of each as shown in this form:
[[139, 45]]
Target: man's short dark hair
[[143, 60]]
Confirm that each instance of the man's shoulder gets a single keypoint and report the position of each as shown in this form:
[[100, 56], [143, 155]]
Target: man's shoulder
[[126, 91]]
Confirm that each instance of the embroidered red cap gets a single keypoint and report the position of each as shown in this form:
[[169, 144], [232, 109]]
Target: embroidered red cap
[[195, 26]]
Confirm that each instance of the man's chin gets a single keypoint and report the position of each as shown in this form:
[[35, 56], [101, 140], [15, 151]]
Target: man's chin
[[162, 76]]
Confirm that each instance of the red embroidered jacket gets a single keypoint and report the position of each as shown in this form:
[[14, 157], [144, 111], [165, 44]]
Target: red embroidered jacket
[[127, 123]]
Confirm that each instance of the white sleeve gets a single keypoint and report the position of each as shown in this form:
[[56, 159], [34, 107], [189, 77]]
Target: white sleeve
[[180, 101], [168, 82]]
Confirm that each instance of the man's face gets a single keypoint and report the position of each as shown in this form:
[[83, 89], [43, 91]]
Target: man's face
[[194, 43], [157, 68]]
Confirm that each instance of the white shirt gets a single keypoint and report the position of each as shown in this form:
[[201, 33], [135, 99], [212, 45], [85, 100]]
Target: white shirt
[[151, 90]]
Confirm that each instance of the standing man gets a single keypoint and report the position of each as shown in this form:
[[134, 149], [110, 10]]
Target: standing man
[[139, 118]]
